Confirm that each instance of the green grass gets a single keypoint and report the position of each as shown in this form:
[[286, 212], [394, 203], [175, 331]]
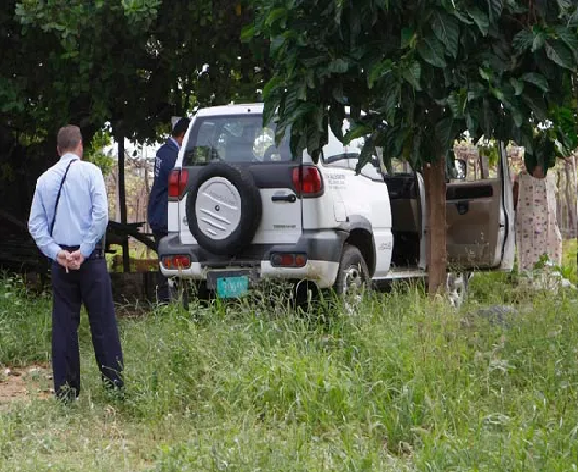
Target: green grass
[[569, 262], [405, 384]]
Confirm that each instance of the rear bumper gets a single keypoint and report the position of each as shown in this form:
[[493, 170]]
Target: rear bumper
[[323, 249]]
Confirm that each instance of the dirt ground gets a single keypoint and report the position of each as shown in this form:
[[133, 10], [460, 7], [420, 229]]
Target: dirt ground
[[24, 383]]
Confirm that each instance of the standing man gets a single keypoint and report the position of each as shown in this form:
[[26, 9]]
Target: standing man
[[68, 221], [158, 206]]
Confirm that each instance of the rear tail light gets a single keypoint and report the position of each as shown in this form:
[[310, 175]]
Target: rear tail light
[[176, 262], [307, 181], [178, 179], [288, 260]]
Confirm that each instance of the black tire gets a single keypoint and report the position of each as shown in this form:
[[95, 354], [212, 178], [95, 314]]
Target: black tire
[[251, 209], [351, 259]]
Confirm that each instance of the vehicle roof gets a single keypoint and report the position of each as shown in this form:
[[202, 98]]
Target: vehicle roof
[[237, 109]]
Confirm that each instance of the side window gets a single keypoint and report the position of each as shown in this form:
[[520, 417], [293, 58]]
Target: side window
[[398, 166], [337, 154], [475, 163]]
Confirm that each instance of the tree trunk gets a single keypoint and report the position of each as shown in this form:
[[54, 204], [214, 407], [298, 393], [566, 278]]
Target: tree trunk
[[561, 214], [575, 190], [117, 199], [122, 201], [147, 195], [435, 190], [570, 198], [569, 201]]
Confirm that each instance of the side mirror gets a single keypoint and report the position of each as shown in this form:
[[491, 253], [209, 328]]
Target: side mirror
[[461, 169]]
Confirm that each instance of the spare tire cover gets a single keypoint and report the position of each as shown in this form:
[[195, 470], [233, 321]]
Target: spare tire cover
[[224, 208]]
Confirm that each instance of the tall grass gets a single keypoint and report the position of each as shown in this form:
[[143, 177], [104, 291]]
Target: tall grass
[[406, 383], [24, 323]]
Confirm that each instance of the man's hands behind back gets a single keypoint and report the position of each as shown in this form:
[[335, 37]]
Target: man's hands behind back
[[70, 260], [76, 260]]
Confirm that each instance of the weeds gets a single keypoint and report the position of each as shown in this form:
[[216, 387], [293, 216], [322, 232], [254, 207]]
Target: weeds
[[406, 383]]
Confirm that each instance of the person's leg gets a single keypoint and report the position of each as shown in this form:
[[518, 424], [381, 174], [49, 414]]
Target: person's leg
[[163, 295], [97, 297], [65, 320]]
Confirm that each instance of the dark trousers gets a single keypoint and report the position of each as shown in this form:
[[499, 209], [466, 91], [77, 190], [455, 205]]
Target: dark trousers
[[163, 295], [90, 285]]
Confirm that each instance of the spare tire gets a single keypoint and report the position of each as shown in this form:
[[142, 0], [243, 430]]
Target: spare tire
[[224, 208]]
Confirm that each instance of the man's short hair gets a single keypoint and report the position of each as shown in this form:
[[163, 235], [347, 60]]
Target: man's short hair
[[181, 127], [69, 137]]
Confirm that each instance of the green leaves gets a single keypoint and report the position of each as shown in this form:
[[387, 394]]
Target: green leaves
[[518, 86], [537, 79], [569, 36], [495, 9], [357, 130], [523, 41], [413, 74], [539, 41], [408, 37], [446, 29], [390, 103], [431, 50], [367, 152], [457, 102], [132, 61], [276, 15], [537, 104], [559, 53], [445, 134], [565, 120], [336, 117], [480, 18], [378, 71], [428, 69], [338, 66]]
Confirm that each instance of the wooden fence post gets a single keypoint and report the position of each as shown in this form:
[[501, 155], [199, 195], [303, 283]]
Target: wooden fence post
[[122, 202]]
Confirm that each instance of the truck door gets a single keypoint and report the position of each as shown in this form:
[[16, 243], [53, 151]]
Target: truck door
[[479, 216]]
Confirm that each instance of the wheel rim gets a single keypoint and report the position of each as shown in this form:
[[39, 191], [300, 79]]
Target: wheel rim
[[218, 208], [353, 287], [457, 288]]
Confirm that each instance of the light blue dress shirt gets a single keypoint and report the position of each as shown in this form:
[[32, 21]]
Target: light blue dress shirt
[[82, 215]]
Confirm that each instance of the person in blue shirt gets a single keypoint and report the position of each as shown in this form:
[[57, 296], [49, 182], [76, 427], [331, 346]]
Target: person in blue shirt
[[158, 205], [68, 221]]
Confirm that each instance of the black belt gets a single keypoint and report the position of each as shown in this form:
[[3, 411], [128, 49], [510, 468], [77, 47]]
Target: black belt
[[97, 253]]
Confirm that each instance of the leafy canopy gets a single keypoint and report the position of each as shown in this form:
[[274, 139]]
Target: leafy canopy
[[423, 71], [133, 63]]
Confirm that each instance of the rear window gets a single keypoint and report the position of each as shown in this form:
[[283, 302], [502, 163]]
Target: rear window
[[234, 139]]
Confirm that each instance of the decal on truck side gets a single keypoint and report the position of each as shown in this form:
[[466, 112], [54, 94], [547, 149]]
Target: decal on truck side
[[336, 181]]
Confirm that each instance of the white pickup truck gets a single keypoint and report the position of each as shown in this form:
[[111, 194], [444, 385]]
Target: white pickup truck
[[243, 210]]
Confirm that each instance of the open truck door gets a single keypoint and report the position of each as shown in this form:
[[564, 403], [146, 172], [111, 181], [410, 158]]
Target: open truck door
[[480, 217]]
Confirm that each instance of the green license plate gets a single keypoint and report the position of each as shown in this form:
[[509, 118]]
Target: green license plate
[[232, 287]]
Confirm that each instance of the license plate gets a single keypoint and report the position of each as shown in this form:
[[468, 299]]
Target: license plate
[[232, 287]]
